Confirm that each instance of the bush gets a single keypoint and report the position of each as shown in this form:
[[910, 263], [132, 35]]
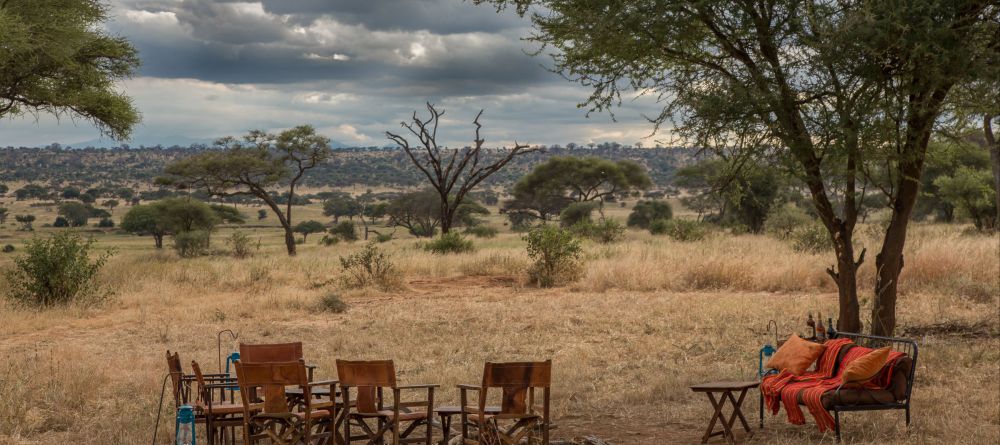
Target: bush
[[782, 222], [482, 231], [191, 243], [241, 244], [679, 229], [383, 237], [812, 238], [577, 212], [370, 267], [332, 303], [8, 248], [60, 222], [345, 230], [451, 242], [57, 270], [105, 223], [605, 231], [556, 254], [329, 240], [645, 212]]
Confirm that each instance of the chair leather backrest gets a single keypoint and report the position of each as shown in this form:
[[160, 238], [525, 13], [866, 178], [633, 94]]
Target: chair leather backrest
[[275, 352], [199, 378], [273, 378], [367, 376], [514, 379]]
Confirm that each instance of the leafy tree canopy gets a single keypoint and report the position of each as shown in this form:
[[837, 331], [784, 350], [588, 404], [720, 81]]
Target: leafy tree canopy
[[58, 58]]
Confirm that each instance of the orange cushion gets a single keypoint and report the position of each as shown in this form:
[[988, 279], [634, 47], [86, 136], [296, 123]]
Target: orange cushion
[[865, 367], [796, 355]]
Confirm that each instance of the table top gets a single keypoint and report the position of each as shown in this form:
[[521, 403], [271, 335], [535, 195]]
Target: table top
[[724, 386], [455, 409]]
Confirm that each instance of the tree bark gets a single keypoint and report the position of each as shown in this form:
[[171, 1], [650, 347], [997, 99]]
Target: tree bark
[[290, 241], [158, 240], [846, 277], [889, 261]]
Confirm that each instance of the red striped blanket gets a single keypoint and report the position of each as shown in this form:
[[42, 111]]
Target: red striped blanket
[[784, 388]]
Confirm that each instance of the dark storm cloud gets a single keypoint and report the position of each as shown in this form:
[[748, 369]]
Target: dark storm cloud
[[440, 16], [302, 41], [351, 68]]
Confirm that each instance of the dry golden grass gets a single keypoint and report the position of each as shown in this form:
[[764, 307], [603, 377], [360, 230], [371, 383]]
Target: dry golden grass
[[649, 317]]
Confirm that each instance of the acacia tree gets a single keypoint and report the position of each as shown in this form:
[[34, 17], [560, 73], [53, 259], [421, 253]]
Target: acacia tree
[[58, 58], [451, 172], [572, 179], [253, 166], [837, 88]]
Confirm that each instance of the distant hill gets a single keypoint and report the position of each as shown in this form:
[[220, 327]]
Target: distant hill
[[368, 166], [167, 141]]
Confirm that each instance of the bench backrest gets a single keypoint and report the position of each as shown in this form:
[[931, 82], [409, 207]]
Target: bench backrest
[[904, 345]]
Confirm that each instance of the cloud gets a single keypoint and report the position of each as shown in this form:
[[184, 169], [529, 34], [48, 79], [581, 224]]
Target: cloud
[[353, 68]]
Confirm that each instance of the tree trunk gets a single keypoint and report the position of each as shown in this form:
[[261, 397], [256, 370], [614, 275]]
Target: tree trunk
[[158, 239], [846, 277], [290, 240]]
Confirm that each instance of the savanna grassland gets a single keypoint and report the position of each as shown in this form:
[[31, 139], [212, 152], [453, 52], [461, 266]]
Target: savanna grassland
[[649, 317]]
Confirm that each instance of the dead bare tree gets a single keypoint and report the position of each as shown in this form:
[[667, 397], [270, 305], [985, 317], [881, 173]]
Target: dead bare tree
[[452, 172]]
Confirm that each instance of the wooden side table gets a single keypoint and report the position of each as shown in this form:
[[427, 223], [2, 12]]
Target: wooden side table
[[726, 390]]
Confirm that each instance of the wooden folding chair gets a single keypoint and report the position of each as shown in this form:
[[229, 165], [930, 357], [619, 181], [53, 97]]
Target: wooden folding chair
[[519, 417], [275, 422], [210, 402], [369, 379], [273, 353]]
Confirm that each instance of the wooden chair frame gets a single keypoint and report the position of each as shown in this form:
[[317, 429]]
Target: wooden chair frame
[[218, 414], [274, 353], [369, 379], [275, 421], [518, 381]]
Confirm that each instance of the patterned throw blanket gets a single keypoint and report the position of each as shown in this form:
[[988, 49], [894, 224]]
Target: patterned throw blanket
[[784, 387]]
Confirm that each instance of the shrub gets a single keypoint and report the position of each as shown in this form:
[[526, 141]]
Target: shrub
[[370, 267], [577, 212], [345, 230], [605, 231], [556, 254], [645, 212], [8, 248], [329, 240], [60, 222], [241, 245], [191, 243], [782, 222], [57, 270], [679, 229], [331, 302], [383, 237], [482, 231], [105, 223], [451, 242], [812, 238]]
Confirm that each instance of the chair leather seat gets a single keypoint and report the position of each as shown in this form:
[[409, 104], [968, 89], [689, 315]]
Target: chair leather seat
[[315, 414], [225, 408]]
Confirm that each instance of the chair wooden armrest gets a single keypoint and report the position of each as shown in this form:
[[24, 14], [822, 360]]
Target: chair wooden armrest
[[469, 387], [228, 385], [323, 383]]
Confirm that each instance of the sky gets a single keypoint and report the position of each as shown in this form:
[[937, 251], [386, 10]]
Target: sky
[[351, 68]]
